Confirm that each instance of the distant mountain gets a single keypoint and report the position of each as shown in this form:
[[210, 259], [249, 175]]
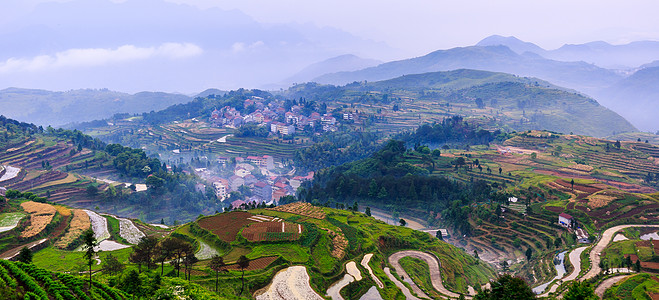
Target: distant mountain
[[43, 107], [575, 75], [515, 44], [346, 63], [211, 91], [602, 54], [636, 98], [605, 55], [650, 65]]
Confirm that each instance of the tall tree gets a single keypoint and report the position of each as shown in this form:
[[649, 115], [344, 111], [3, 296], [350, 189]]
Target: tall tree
[[144, 252], [111, 265], [507, 287], [243, 263], [165, 251], [89, 244], [580, 290], [216, 264], [180, 248], [439, 235], [189, 260], [25, 256]]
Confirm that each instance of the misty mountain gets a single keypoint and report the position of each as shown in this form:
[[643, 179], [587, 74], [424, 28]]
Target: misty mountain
[[575, 75], [636, 98], [211, 91], [125, 46], [515, 44], [44, 108], [602, 54], [347, 63]]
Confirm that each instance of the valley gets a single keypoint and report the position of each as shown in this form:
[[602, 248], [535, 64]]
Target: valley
[[416, 180]]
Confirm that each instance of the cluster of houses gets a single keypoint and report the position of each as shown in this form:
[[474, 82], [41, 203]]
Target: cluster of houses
[[266, 189], [275, 116]]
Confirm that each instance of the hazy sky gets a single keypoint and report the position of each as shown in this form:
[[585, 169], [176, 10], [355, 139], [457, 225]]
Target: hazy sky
[[421, 26], [153, 45]]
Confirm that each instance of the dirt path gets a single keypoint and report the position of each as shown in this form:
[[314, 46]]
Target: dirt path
[[433, 264], [365, 261], [334, 291], [603, 242], [400, 285], [13, 252], [575, 260], [289, 283], [606, 284], [384, 216]]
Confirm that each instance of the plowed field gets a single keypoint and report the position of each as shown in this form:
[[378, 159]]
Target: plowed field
[[226, 225]]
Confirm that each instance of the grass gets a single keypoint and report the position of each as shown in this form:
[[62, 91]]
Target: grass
[[70, 178], [635, 287], [66, 261], [322, 259], [113, 227], [419, 272], [290, 252]]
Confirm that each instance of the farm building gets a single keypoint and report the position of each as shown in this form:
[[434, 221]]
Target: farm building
[[566, 220], [582, 236], [2, 191], [512, 199], [444, 232]]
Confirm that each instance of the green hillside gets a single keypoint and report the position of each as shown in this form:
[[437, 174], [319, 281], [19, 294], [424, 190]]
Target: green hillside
[[71, 168], [58, 108], [499, 99]]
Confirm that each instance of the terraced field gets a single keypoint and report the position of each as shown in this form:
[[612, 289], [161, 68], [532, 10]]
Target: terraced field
[[31, 282]]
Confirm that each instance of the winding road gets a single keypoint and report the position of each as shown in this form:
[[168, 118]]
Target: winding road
[[603, 242], [433, 265], [606, 284], [400, 285], [575, 260]]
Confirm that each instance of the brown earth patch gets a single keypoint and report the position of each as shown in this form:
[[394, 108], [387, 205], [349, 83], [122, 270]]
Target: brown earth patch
[[226, 225]]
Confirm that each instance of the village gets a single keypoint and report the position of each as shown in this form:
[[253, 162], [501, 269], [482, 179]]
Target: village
[[254, 181], [279, 119]]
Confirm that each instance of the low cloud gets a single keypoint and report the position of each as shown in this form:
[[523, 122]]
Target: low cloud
[[91, 57], [240, 46]]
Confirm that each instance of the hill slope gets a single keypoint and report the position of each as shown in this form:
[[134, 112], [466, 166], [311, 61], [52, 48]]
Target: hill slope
[[602, 54], [636, 98], [58, 108], [347, 62], [577, 75], [504, 99]]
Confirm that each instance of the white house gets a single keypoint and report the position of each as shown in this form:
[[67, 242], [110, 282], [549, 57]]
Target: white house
[[566, 220]]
